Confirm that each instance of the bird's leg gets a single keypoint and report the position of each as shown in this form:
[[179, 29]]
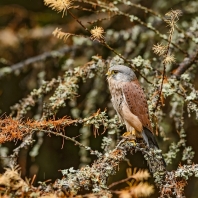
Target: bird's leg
[[131, 135]]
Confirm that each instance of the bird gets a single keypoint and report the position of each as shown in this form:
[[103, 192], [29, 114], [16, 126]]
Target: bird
[[130, 103]]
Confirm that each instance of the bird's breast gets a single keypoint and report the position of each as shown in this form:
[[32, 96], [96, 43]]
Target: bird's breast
[[116, 94]]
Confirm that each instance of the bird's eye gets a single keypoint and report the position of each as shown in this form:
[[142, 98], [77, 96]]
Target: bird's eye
[[115, 72]]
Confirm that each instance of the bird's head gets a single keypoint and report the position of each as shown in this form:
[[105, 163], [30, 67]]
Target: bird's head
[[121, 73]]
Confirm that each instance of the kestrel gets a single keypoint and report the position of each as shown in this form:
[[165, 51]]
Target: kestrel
[[130, 103]]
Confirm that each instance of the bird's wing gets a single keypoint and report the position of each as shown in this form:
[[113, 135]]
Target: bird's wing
[[136, 101]]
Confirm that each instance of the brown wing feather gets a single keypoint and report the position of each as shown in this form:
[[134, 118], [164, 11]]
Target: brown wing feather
[[136, 101]]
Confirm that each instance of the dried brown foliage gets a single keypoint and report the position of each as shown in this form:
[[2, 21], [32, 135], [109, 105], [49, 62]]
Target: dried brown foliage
[[13, 130]]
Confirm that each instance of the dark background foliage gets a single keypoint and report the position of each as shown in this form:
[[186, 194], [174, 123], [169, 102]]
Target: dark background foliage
[[26, 31]]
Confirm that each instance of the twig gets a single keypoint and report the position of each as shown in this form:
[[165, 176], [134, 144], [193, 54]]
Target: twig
[[127, 61], [121, 181], [118, 12], [78, 21], [71, 139], [161, 86], [172, 23], [146, 10]]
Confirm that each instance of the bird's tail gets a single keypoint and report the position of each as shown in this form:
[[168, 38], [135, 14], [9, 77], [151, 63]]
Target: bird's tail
[[152, 143]]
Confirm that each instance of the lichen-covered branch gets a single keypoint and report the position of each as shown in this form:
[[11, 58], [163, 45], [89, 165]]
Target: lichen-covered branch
[[40, 58], [66, 88]]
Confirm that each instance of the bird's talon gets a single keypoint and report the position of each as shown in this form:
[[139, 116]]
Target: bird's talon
[[133, 141], [126, 134], [130, 136]]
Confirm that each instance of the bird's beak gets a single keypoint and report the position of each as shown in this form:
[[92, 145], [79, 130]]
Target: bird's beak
[[108, 73]]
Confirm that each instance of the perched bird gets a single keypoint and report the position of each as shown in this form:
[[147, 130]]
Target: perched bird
[[130, 103]]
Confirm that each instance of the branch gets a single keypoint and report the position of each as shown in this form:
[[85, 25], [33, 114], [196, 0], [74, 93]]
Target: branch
[[95, 177], [175, 181], [27, 140], [42, 57], [72, 140], [66, 87], [104, 43], [183, 66]]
